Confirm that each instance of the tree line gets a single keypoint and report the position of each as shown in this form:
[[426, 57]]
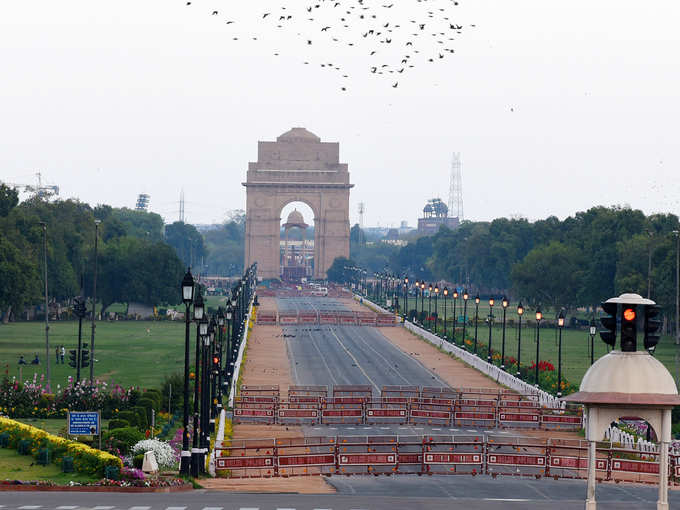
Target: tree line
[[579, 261]]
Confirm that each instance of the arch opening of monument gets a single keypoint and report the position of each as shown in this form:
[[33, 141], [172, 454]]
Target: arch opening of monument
[[297, 242], [297, 167]]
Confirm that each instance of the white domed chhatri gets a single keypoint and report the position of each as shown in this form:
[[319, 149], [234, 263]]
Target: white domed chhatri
[[628, 372]]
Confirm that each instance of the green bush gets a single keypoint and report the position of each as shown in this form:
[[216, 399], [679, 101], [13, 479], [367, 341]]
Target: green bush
[[142, 421], [177, 382], [118, 424], [155, 395], [130, 417], [138, 461], [124, 438]]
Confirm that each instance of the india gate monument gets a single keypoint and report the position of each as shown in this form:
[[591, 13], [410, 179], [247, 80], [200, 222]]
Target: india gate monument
[[297, 167]]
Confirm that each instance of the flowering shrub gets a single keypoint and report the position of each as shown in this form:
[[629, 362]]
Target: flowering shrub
[[86, 460], [166, 457], [33, 399]]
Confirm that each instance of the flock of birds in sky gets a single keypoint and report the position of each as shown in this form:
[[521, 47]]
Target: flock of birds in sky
[[394, 38]]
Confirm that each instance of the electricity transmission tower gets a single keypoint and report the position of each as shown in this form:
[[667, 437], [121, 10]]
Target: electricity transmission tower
[[456, 189]]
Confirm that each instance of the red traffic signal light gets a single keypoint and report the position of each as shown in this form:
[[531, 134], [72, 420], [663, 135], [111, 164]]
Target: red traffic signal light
[[628, 329], [216, 360], [629, 314]]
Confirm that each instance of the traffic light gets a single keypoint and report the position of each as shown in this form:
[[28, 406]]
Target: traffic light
[[652, 326], [73, 358], [84, 358], [608, 334], [79, 308], [216, 365], [628, 328]]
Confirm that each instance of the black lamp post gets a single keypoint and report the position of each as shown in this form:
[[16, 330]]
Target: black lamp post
[[455, 319], [227, 368], [520, 312], [422, 299], [436, 307], [187, 299], [202, 330], [489, 358], [593, 332], [505, 303], [466, 296], [476, 319], [205, 392], [539, 316], [429, 307], [405, 297], [560, 325], [446, 295], [220, 368]]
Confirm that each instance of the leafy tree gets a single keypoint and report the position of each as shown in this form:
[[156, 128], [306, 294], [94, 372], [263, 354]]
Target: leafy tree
[[9, 198], [19, 278], [337, 272], [549, 274], [225, 249], [187, 242]]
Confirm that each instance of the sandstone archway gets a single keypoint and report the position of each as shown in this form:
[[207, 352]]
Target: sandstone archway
[[297, 167]]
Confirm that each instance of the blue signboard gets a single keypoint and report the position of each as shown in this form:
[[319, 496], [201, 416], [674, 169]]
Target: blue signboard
[[83, 423]]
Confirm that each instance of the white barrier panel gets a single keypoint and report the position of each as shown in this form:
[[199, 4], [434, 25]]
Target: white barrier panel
[[239, 358]]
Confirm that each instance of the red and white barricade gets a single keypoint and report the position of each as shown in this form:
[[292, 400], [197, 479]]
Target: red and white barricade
[[306, 456], [288, 318], [475, 413], [347, 319], [380, 411], [518, 418], [450, 455], [266, 317], [328, 318], [248, 458], [366, 318], [367, 454], [386, 319], [516, 456], [308, 317]]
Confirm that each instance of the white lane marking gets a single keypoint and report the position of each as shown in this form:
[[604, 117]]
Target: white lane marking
[[384, 428], [176, 508], [436, 429], [30, 507], [103, 507], [453, 430], [67, 507], [368, 428], [285, 509], [248, 508], [220, 508], [473, 431], [333, 379], [350, 428], [355, 361], [139, 508], [516, 500]]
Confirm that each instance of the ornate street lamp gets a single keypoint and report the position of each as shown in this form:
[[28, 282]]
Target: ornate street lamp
[[520, 312], [446, 295], [429, 306], [505, 303], [476, 319], [422, 298], [436, 308], [187, 299], [405, 297], [560, 325], [489, 358], [201, 333], [455, 318], [593, 332], [466, 296], [539, 316]]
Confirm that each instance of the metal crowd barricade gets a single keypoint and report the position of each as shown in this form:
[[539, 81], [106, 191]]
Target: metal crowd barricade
[[249, 390], [347, 318], [306, 456], [385, 412], [409, 454], [307, 391], [400, 391], [308, 317], [255, 409], [450, 455], [266, 317], [299, 413], [288, 318], [518, 418], [569, 418], [475, 413], [367, 455], [438, 392], [568, 458], [328, 318], [386, 319], [516, 456], [640, 467], [248, 458], [366, 318], [343, 410], [425, 412], [353, 390]]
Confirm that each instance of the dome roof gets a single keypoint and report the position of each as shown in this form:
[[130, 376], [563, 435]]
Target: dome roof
[[295, 219], [427, 208], [628, 372], [298, 134]]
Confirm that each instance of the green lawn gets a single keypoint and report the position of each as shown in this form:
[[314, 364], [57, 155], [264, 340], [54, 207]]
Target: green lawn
[[131, 353], [24, 467]]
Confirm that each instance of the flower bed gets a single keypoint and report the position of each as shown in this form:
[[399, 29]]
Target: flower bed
[[86, 460]]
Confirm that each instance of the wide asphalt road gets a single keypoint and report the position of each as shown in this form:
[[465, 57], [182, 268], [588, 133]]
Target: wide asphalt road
[[405, 492]]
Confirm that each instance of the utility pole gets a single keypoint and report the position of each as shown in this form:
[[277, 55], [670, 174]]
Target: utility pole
[[649, 265], [94, 299], [47, 310], [677, 305]]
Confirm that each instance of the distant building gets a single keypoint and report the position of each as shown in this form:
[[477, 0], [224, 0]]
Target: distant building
[[435, 214]]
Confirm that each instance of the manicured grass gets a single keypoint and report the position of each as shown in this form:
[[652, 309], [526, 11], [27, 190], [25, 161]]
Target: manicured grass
[[24, 467], [130, 353]]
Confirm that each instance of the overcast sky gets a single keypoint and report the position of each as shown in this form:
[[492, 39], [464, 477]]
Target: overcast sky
[[554, 106]]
